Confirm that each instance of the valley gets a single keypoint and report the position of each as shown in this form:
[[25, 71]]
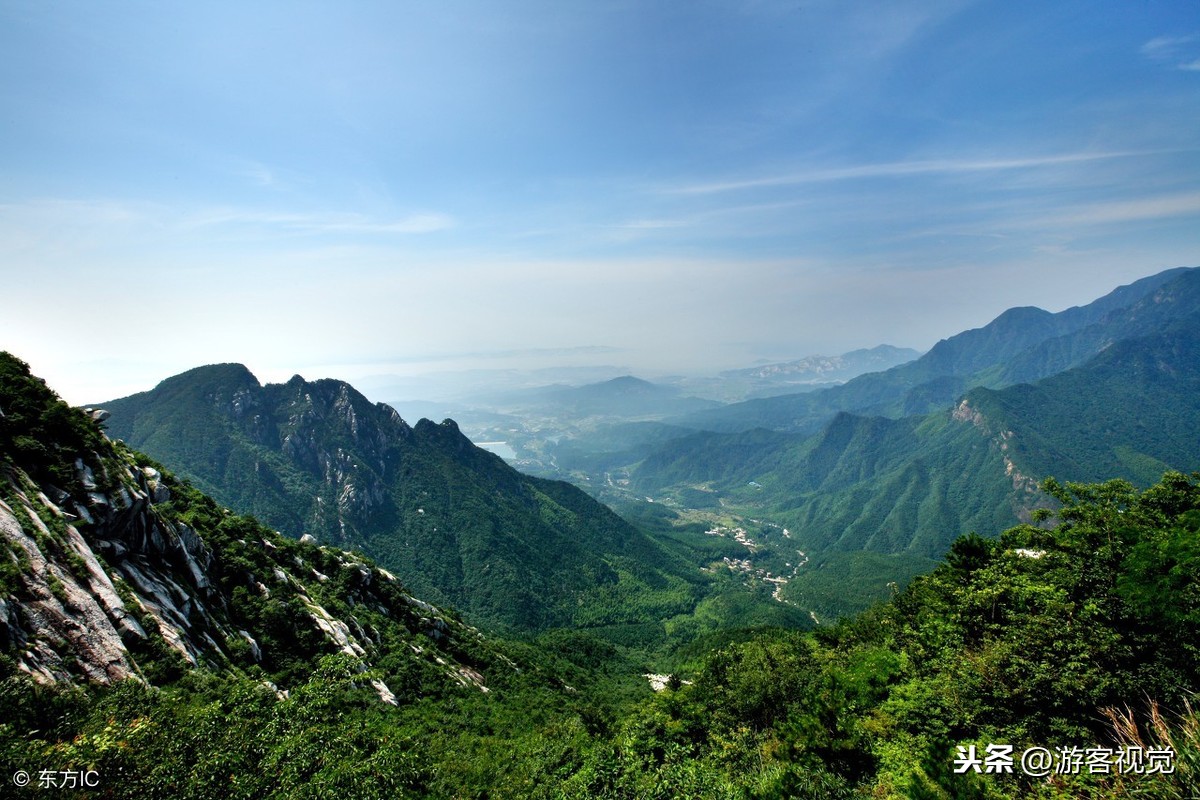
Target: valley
[[877, 475]]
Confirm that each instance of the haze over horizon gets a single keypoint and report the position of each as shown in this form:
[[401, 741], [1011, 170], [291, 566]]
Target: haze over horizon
[[386, 189]]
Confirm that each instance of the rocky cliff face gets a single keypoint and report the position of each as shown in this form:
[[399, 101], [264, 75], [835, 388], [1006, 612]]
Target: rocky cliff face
[[1026, 495], [305, 456], [115, 570]]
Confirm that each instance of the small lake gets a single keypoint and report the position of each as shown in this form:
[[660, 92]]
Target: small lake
[[499, 448]]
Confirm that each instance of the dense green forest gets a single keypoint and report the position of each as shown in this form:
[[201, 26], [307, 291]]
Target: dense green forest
[[1076, 634], [1082, 635]]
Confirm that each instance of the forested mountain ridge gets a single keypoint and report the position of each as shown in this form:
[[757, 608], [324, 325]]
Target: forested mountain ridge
[[862, 483], [904, 488], [1131, 412], [454, 522], [1021, 345], [154, 644]]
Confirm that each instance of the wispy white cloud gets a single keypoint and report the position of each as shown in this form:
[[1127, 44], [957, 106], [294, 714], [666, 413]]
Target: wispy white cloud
[[882, 30], [1145, 208], [897, 169], [1010, 224], [260, 175], [652, 224], [74, 214], [98, 211], [1180, 52], [334, 223], [1168, 44], [415, 223], [58, 226]]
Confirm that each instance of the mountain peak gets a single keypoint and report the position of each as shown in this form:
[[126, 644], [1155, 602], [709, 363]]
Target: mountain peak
[[447, 425], [628, 383], [231, 375], [1022, 314]]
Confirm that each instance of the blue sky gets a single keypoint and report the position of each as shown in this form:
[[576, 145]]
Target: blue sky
[[359, 189]]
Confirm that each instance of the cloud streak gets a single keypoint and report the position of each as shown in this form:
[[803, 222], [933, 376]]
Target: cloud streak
[[73, 213], [1179, 51], [1142, 209], [901, 169], [337, 223]]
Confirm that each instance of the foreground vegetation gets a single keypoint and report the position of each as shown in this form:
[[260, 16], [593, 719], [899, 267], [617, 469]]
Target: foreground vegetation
[[1079, 635]]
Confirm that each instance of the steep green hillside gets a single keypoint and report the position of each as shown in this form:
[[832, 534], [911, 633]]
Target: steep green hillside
[[453, 521], [1131, 412], [863, 483]]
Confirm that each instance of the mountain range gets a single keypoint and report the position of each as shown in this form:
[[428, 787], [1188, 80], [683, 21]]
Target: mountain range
[[873, 478], [1021, 345], [455, 522], [112, 569], [1113, 391]]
